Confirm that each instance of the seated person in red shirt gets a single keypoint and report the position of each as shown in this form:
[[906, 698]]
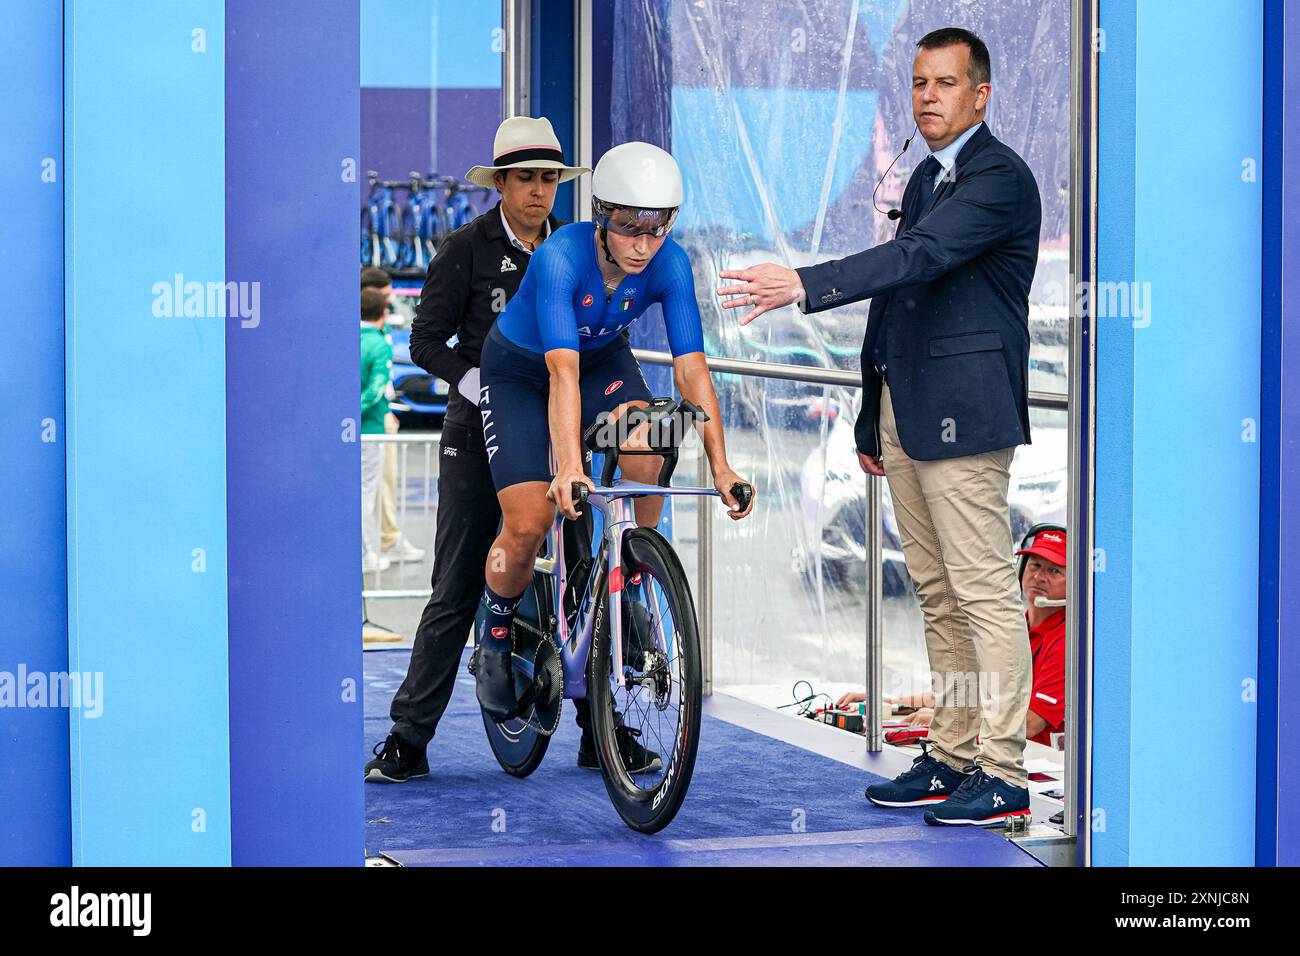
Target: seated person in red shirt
[[1042, 575]]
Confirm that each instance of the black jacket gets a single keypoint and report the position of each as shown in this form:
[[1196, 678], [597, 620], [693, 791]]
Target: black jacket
[[474, 274], [953, 290]]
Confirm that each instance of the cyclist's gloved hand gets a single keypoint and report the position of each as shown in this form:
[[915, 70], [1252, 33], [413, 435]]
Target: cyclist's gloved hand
[[468, 385], [723, 481], [561, 490]]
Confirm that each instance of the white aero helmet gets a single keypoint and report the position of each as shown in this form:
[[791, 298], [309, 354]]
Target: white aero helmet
[[636, 189]]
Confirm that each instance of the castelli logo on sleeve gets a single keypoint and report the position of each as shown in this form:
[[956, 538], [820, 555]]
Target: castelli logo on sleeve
[[587, 300], [499, 633], [614, 387]]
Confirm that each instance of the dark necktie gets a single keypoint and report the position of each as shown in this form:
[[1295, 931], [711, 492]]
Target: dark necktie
[[930, 170]]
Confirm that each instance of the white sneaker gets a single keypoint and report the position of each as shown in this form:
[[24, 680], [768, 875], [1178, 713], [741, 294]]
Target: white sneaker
[[405, 551], [371, 562]]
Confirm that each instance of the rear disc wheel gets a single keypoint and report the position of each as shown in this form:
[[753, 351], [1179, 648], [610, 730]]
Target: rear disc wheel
[[519, 744]]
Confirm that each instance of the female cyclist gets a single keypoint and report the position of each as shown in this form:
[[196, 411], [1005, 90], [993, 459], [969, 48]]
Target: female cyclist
[[558, 357]]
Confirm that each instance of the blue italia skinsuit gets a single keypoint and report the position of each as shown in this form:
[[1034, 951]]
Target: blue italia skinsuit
[[562, 305]]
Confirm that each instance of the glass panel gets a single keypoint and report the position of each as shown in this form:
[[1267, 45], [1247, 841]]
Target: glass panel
[[783, 118], [430, 86], [430, 104], [789, 583]]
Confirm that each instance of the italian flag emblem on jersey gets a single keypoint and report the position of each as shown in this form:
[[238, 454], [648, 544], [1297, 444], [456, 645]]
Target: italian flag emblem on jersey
[[627, 304]]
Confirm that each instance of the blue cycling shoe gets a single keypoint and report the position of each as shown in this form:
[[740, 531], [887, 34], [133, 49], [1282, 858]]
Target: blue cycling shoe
[[495, 680], [927, 781], [982, 801]]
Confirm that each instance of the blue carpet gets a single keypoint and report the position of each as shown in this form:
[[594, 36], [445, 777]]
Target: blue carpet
[[753, 801]]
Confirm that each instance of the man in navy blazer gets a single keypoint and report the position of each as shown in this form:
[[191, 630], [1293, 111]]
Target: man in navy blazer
[[945, 401]]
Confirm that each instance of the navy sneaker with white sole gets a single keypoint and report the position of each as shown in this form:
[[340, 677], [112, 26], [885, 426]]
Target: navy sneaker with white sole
[[982, 801], [927, 781]]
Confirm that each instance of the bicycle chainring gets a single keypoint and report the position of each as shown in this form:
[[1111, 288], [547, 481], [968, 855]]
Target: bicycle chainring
[[545, 692]]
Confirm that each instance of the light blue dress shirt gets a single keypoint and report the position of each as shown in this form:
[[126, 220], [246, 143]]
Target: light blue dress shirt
[[947, 156]]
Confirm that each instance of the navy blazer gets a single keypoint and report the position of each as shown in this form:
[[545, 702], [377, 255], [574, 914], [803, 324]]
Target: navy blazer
[[953, 290]]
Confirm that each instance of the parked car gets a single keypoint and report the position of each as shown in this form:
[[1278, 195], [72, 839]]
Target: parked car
[[833, 506], [833, 493]]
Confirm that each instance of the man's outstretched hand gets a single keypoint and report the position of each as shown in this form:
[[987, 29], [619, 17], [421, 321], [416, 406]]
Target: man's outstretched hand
[[763, 287]]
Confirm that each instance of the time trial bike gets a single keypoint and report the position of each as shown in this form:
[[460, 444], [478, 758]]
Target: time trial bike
[[615, 624]]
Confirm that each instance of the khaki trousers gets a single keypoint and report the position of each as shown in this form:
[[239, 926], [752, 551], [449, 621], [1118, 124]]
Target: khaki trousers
[[955, 528]]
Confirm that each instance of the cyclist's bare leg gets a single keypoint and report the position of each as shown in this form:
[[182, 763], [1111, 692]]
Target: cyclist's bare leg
[[643, 469], [526, 516]]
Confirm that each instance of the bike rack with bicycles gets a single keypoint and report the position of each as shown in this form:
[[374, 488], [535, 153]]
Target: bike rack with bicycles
[[404, 236]]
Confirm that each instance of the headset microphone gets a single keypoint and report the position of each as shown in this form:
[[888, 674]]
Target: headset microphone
[[893, 213]]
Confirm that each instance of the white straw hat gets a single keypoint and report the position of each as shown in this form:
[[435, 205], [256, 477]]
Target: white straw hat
[[525, 143]]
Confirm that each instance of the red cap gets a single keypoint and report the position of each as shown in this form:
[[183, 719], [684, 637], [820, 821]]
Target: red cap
[[1048, 544]]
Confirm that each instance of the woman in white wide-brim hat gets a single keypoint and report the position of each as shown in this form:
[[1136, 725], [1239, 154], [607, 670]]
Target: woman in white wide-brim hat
[[528, 166], [524, 143], [478, 268]]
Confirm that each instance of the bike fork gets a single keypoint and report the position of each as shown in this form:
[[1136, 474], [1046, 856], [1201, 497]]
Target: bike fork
[[619, 516]]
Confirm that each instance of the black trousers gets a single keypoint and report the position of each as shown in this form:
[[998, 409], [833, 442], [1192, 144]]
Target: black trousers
[[468, 519]]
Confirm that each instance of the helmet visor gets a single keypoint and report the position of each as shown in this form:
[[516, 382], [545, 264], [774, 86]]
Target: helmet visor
[[630, 221]]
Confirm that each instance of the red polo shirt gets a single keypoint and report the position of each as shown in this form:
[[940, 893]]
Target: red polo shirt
[[1047, 700]]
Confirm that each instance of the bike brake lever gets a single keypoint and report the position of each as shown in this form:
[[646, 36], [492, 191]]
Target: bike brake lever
[[743, 494], [579, 493]]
